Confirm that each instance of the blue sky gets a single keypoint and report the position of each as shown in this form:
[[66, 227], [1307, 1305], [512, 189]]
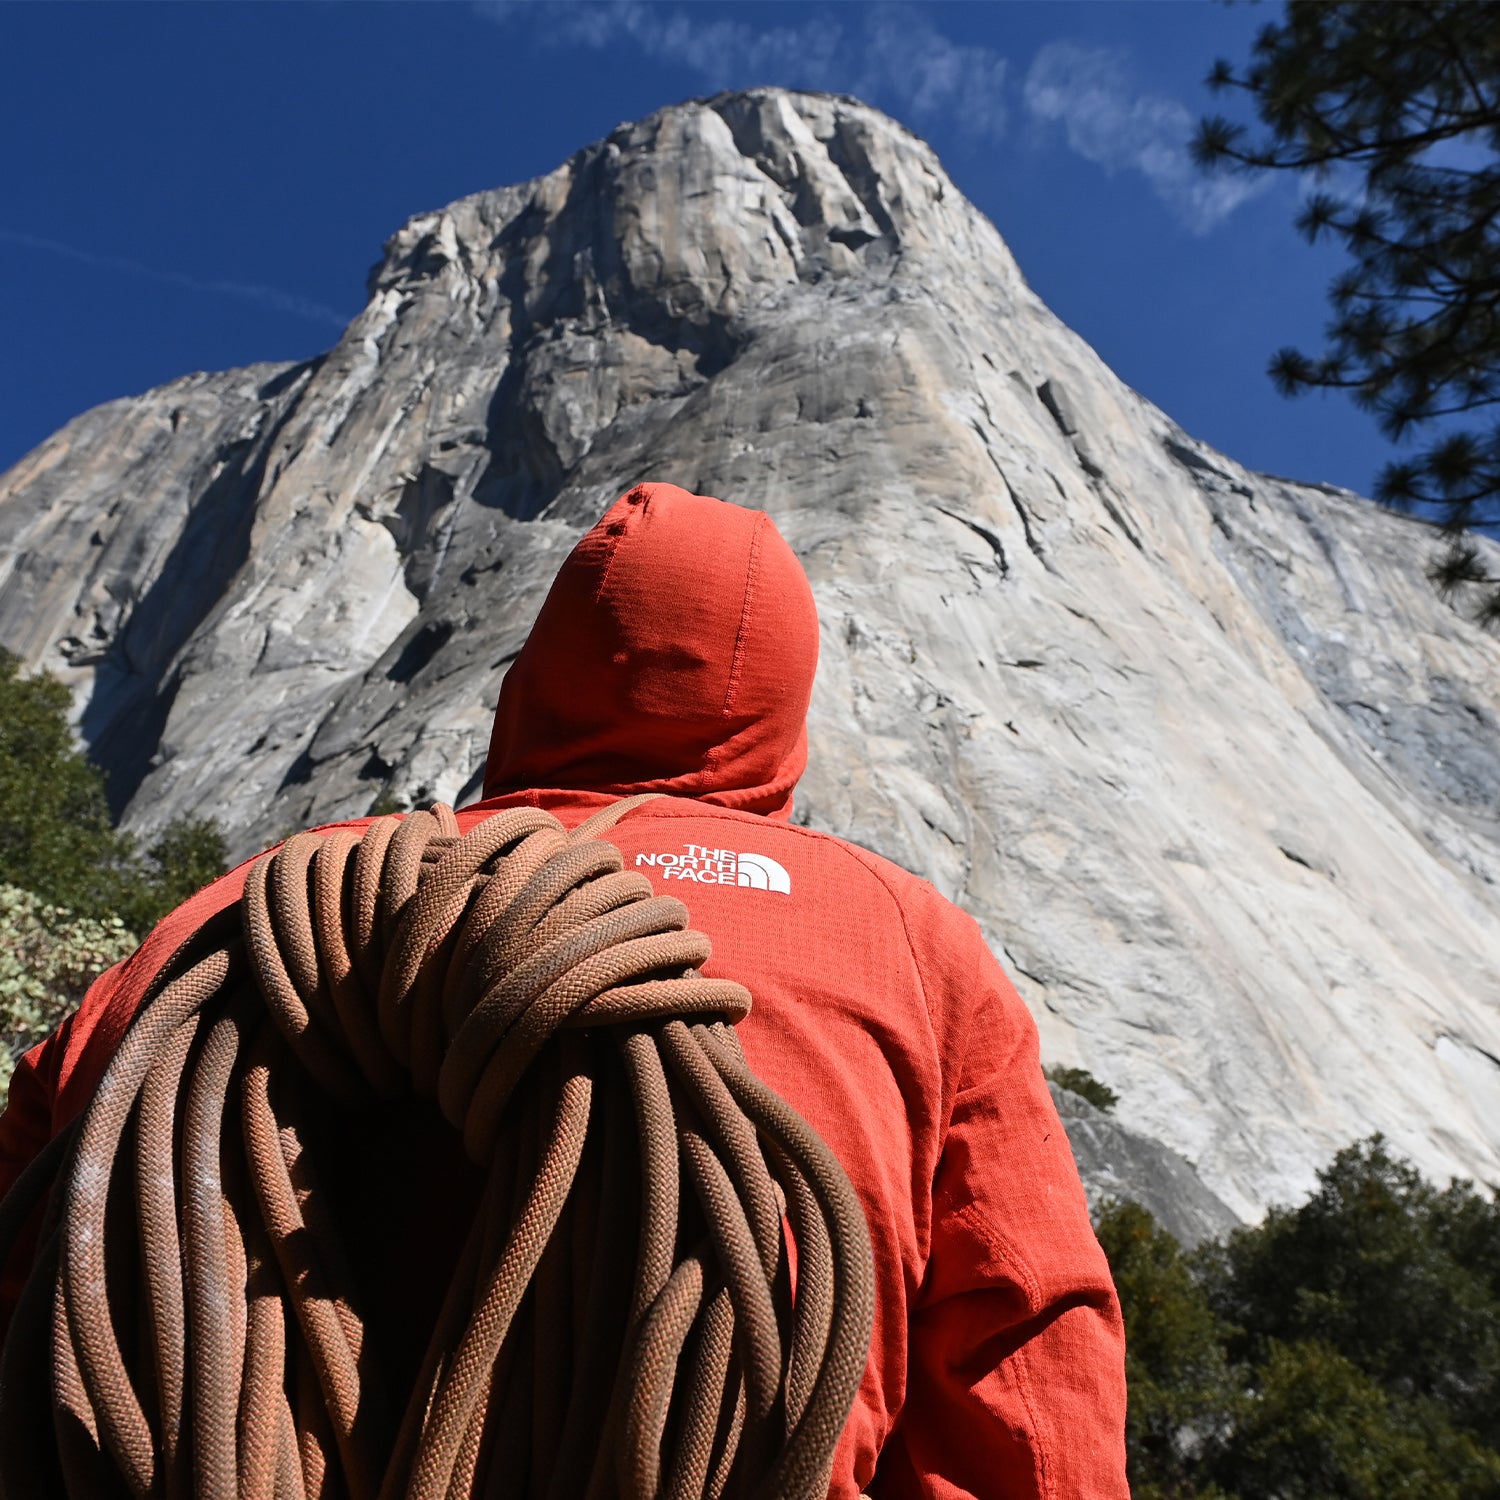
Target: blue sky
[[201, 185]]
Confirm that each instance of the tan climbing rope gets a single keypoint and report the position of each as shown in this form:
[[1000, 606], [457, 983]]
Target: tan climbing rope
[[621, 1319]]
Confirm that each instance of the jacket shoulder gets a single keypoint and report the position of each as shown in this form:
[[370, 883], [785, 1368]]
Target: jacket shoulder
[[945, 943], [928, 913]]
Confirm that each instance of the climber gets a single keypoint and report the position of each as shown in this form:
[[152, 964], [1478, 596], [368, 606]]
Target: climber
[[675, 654]]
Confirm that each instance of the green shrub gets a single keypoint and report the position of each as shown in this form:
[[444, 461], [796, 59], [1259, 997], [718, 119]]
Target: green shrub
[[1348, 1349], [1315, 1425], [48, 957], [1396, 1275], [189, 853], [75, 890], [1083, 1083], [1182, 1394], [55, 834]]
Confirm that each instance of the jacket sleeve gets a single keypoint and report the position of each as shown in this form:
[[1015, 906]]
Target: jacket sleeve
[[1016, 1377], [25, 1127]]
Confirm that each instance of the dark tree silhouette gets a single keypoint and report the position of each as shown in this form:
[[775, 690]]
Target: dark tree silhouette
[[55, 835], [1347, 1349], [1395, 106]]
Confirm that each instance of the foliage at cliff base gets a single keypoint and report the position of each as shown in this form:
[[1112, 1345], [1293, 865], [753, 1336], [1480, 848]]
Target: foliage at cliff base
[[48, 958], [1348, 1349]]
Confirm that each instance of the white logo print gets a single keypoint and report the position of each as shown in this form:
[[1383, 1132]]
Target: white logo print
[[720, 867]]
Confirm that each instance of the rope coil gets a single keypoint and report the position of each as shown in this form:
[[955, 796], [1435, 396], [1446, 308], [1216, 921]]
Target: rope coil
[[620, 1320]]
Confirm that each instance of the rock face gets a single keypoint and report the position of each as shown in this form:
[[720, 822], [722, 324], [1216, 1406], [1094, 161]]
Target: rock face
[[1199, 748], [1117, 1163]]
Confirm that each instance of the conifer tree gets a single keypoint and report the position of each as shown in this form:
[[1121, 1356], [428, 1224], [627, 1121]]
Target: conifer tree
[[1393, 111], [56, 839]]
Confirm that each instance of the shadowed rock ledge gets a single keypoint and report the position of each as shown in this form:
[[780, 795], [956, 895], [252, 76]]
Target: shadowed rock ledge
[[1118, 1164]]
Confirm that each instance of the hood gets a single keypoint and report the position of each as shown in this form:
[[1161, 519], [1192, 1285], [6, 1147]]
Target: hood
[[675, 653]]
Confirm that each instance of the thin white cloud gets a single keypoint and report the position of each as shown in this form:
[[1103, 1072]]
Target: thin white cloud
[[906, 58], [263, 296], [896, 57], [719, 52], [1087, 91]]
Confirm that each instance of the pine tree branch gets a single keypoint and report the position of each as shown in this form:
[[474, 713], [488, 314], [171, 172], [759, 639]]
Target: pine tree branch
[[1437, 24]]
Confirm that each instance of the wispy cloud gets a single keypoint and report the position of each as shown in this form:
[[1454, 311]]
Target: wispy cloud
[[909, 59], [263, 296], [719, 52], [1088, 91], [895, 56]]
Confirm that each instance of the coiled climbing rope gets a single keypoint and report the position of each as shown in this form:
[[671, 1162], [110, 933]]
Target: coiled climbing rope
[[627, 1316]]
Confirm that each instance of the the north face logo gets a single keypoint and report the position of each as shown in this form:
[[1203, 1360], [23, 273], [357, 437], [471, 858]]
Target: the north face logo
[[720, 867]]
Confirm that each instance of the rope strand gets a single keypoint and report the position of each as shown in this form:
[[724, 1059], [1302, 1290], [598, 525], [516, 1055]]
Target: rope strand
[[620, 1321]]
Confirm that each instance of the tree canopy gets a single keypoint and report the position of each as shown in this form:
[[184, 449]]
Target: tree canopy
[[75, 892], [1348, 1348], [1392, 111], [55, 833], [56, 839]]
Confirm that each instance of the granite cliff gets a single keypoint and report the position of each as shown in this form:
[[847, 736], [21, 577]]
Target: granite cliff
[[1200, 749]]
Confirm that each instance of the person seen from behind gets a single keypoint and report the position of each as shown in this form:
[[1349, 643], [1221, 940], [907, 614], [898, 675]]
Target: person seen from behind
[[675, 654]]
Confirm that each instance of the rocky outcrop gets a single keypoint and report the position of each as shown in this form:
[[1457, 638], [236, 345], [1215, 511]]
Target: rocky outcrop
[[1118, 1164], [1199, 747]]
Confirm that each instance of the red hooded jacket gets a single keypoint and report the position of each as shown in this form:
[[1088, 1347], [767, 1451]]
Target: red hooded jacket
[[675, 653]]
